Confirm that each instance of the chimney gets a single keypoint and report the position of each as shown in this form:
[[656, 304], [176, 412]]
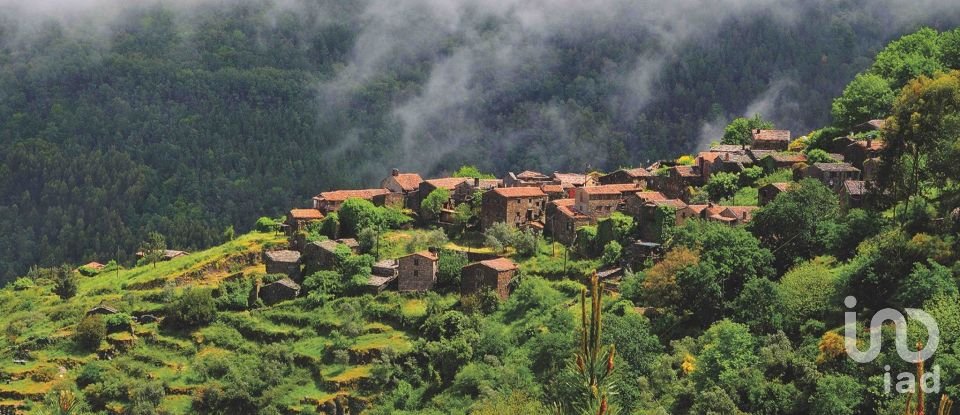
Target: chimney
[[395, 172]]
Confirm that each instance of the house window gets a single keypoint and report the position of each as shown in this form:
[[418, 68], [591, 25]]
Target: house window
[[416, 263], [416, 273]]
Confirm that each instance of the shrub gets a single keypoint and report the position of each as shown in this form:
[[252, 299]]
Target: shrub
[[90, 332], [193, 307], [118, 322], [265, 224], [611, 253], [23, 283], [234, 295]]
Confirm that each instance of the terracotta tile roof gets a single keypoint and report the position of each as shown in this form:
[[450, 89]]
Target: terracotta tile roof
[[408, 181], [552, 188], [610, 189], [759, 154], [685, 171], [771, 135], [674, 203], [783, 186], [305, 214], [736, 158], [710, 209], [93, 265], [741, 213], [448, 183], [855, 187], [564, 202], [710, 155], [729, 148], [487, 183], [637, 172], [530, 174], [650, 195], [341, 195], [874, 145], [498, 264], [835, 167], [523, 191], [571, 212], [574, 179], [426, 254]]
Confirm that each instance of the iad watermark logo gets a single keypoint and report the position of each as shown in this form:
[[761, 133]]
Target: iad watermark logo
[[906, 381]]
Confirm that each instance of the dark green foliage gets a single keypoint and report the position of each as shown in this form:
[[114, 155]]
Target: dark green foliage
[[118, 322], [64, 282], [722, 185], [926, 281], [324, 283], [867, 97], [819, 156], [90, 332], [836, 395], [234, 294], [611, 253], [733, 254], [449, 267], [616, 227], [798, 224], [739, 131], [358, 214], [193, 307], [265, 224], [759, 306]]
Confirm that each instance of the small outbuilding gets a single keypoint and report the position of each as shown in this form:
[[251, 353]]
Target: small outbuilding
[[102, 309], [281, 290], [417, 271], [495, 274], [283, 262]]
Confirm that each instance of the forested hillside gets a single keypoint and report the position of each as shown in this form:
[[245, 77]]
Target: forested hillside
[[191, 117]]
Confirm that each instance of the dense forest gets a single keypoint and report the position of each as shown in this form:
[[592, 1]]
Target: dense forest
[[192, 117]]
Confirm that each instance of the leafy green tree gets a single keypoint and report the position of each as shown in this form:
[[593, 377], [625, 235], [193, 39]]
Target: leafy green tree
[[193, 307], [909, 57], [356, 214], [732, 253], [759, 306], [472, 171], [727, 350], [950, 48], [819, 156], [64, 282], [809, 291], [616, 227], [525, 242], [324, 283], [611, 253], [722, 185], [836, 395], [146, 397], [926, 281], [799, 224], [367, 239], [500, 236], [90, 332], [153, 248], [740, 130], [433, 203], [330, 225], [867, 97], [449, 268]]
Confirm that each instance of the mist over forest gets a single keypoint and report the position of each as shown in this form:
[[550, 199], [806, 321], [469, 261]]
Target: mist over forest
[[186, 117]]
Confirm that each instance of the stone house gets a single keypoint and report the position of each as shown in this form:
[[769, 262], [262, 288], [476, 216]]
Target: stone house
[[405, 184], [833, 175], [697, 212], [417, 271], [861, 150], [738, 215], [283, 262], [554, 191], [872, 125], [494, 274], [709, 162], [634, 202], [656, 216], [465, 191], [734, 162], [327, 202], [378, 284], [515, 206], [298, 219], [277, 291], [777, 140], [526, 178], [768, 192], [852, 194], [638, 176], [870, 169], [677, 180], [563, 220], [568, 180], [102, 309], [601, 201], [781, 160]]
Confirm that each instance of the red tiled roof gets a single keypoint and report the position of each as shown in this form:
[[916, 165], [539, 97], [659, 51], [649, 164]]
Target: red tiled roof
[[674, 203], [782, 186], [529, 174], [684, 171], [771, 135], [426, 254], [341, 195], [709, 155], [609, 189], [741, 213], [408, 181], [870, 144], [575, 179], [94, 266], [305, 214], [498, 264], [564, 202], [523, 191], [710, 209], [650, 195], [552, 188], [446, 182], [788, 157], [855, 187]]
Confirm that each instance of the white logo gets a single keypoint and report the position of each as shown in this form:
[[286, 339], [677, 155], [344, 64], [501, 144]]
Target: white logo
[[903, 348]]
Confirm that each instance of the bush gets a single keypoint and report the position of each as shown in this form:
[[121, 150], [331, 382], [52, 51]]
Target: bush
[[367, 238], [23, 283], [265, 224], [90, 332], [611, 253], [722, 185], [235, 294], [193, 307], [118, 322], [450, 266]]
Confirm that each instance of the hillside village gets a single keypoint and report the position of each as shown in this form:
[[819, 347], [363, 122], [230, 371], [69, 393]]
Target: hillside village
[[559, 204]]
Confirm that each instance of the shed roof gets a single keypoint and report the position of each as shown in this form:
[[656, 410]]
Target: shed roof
[[522, 191]]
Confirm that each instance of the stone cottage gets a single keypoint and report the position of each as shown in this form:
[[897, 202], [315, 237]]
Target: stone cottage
[[494, 274], [515, 206], [277, 291], [283, 262], [417, 272]]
